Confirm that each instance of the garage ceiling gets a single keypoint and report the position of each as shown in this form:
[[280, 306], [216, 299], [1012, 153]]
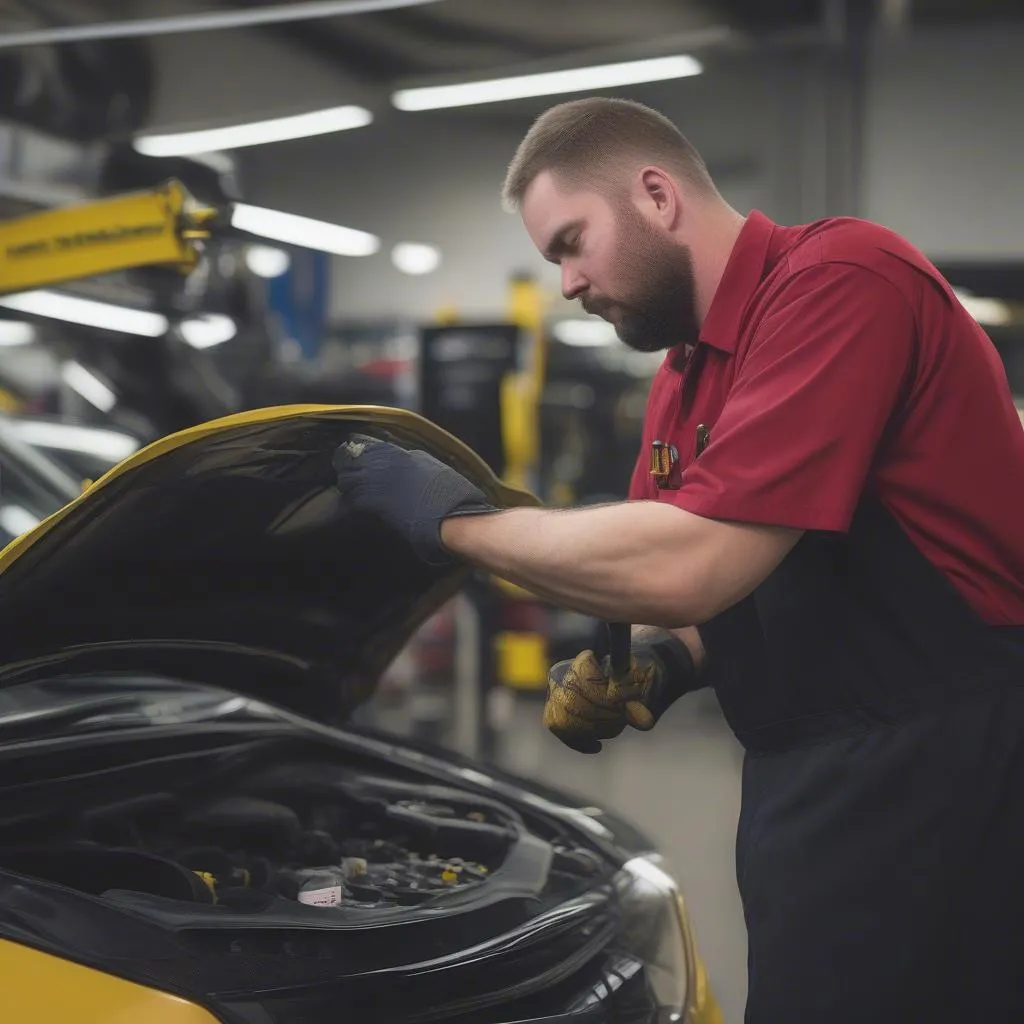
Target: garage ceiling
[[103, 87], [448, 36]]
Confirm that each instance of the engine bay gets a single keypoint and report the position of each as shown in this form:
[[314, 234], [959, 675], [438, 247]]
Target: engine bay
[[259, 869], [314, 834]]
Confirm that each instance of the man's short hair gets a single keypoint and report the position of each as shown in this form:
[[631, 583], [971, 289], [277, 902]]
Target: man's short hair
[[596, 143]]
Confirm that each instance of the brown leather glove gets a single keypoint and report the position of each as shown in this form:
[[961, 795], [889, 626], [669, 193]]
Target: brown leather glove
[[585, 706]]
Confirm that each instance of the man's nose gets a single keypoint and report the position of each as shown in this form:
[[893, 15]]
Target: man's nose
[[573, 282]]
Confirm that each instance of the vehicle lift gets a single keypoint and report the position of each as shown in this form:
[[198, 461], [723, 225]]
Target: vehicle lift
[[159, 227]]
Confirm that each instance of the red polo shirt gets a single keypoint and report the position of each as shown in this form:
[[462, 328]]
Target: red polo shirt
[[835, 359]]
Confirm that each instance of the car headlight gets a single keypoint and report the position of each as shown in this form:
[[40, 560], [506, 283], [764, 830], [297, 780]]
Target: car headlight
[[656, 930]]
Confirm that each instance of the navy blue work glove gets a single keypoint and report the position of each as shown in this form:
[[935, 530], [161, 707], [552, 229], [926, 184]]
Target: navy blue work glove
[[411, 491]]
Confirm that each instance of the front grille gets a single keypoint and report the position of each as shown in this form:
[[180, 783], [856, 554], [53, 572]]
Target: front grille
[[611, 987], [607, 987]]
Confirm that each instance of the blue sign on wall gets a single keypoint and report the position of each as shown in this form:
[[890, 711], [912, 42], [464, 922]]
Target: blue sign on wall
[[300, 296]]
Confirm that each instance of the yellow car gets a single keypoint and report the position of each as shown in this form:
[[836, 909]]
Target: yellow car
[[192, 831]]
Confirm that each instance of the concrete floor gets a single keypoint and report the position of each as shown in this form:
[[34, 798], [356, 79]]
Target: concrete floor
[[680, 784]]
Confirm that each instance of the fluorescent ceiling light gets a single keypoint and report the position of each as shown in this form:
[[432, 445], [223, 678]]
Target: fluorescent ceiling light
[[267, 261], [256, 133], [16, 332], [292, 229], [70, 437], [88, 312], [415, 258], [208, 330], [582, 333], [88, 385], [991, 312], [603, 76], [15, 520]]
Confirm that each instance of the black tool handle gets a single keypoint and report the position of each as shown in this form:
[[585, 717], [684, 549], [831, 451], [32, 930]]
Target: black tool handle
[[619, 644]]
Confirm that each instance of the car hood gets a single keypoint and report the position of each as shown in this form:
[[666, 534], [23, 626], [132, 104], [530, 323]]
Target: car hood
[[226, 553]]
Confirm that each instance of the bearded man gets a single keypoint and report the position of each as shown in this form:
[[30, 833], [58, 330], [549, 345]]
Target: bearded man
[[826, 523]]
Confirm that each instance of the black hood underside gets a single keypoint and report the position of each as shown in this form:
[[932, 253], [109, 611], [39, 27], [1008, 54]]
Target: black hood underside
[[233, 559]]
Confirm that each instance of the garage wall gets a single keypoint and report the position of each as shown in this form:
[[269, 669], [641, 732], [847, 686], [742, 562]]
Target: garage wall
[[757, 120], [942, 142], [945, 140], [439, 181]]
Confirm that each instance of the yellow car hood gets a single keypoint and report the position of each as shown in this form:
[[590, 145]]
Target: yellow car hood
[[226, 554]]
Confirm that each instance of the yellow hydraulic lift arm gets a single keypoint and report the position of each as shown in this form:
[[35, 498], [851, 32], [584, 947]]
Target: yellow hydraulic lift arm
[[163, 226]]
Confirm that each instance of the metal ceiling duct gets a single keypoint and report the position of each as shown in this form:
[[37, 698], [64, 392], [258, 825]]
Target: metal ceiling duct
[[202, 22]]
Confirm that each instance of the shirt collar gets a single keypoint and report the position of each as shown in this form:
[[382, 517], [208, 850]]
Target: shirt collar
[[743, 273]]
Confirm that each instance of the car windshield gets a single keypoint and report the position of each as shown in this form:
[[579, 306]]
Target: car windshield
[[83, 703]]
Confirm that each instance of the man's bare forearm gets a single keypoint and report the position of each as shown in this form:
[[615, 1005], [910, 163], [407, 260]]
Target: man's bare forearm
[[643, 561], [612, 561]]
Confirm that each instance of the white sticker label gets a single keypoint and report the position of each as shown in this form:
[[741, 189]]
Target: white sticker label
[[329, 897]]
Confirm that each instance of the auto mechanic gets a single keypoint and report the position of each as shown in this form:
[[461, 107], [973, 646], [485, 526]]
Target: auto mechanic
[[825, 523]]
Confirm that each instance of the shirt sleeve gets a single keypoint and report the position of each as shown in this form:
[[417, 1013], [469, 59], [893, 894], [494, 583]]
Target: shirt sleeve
[[810, 405]]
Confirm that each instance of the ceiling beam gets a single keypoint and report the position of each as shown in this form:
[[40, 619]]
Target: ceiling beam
[[201, 22]]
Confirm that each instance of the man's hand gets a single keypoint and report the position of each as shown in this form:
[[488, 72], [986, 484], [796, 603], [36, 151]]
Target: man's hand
[[579, 710], [410, 490], [585, 706]]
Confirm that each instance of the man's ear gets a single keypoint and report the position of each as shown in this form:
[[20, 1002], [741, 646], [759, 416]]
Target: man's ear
[[659, 193]]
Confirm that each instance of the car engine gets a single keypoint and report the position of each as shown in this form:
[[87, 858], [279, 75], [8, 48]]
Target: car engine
[[267, 876], [315, 834]]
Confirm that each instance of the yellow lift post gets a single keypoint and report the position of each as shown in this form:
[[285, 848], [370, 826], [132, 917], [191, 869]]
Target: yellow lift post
[[522, 655]]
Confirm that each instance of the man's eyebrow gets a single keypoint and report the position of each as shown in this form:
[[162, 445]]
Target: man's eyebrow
[[557, 242]]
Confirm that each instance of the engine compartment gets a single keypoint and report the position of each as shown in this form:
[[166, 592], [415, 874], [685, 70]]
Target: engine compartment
[[295, 835], [255, 868]]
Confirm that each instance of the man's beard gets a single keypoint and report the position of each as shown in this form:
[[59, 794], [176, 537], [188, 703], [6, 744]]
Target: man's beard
[[657, 310]]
